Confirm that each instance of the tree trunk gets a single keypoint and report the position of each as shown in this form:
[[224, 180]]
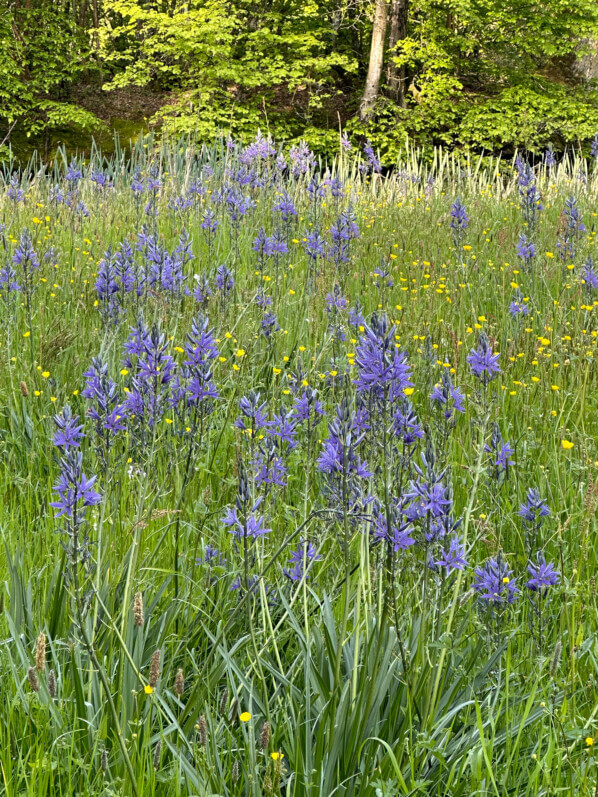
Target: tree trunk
[[372, 83], [399, 15]]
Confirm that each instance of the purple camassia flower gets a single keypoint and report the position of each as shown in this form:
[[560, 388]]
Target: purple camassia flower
[[343, 231], [75, 490], [574, 228], [8, 280], [302, 159], [483, 362], [534, 508], [428, 497], [106, 410], [253, 526], [254, 412], [69, 432], [124, 266], [383, 277], [529, 195], [573, 216], [286, 208], [441, 527], [339, 455], [259, 149], [15, 192], [183, 251], [25, 255], [153, 372], [209, 221], [106, 285], [335, 300], [453, 557], [224, 279], [526, 249], [200, 351], [399, 538], [137, 182], [345, 143], [589, 275], [251, 586], [180, 203], [284, 427], [405, 424], [267, 246], [336, 187], [269, 324], [237, 204], [316, 189], [494, 584], [372, 161], [301, 558], [383, 370], [501, 451], [73, 172], [315, 245], [503, 460], [269, 467], [212, 556], [543, 575], [262, 299], [450, 398], [308, 407], [202, 290], [356, 318], [459, 218], [549, 157], [100, 179], [517, 308], [275, 245]]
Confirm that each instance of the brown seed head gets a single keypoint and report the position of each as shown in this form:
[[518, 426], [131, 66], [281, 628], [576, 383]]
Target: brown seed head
[[154, 673], [138, 609], [157, 752], [33, 679], [179, 683], [40, 653], [202, 730], [224, 702], [52, 684], [235, 710], [556, 659], [24, 389], [265, 736]]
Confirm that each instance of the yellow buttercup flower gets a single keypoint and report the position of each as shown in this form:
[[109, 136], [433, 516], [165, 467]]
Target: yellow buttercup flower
[[245, 716], [567, 444]]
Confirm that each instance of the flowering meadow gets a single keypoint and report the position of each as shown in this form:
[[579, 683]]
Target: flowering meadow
[[299, 471]]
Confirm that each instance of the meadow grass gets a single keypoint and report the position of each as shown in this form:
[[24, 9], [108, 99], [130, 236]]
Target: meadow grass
[[146, 649]]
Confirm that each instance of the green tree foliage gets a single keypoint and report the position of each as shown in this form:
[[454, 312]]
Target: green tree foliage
[[233, 66], [482, 74], [43, 52], [492, 74]]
